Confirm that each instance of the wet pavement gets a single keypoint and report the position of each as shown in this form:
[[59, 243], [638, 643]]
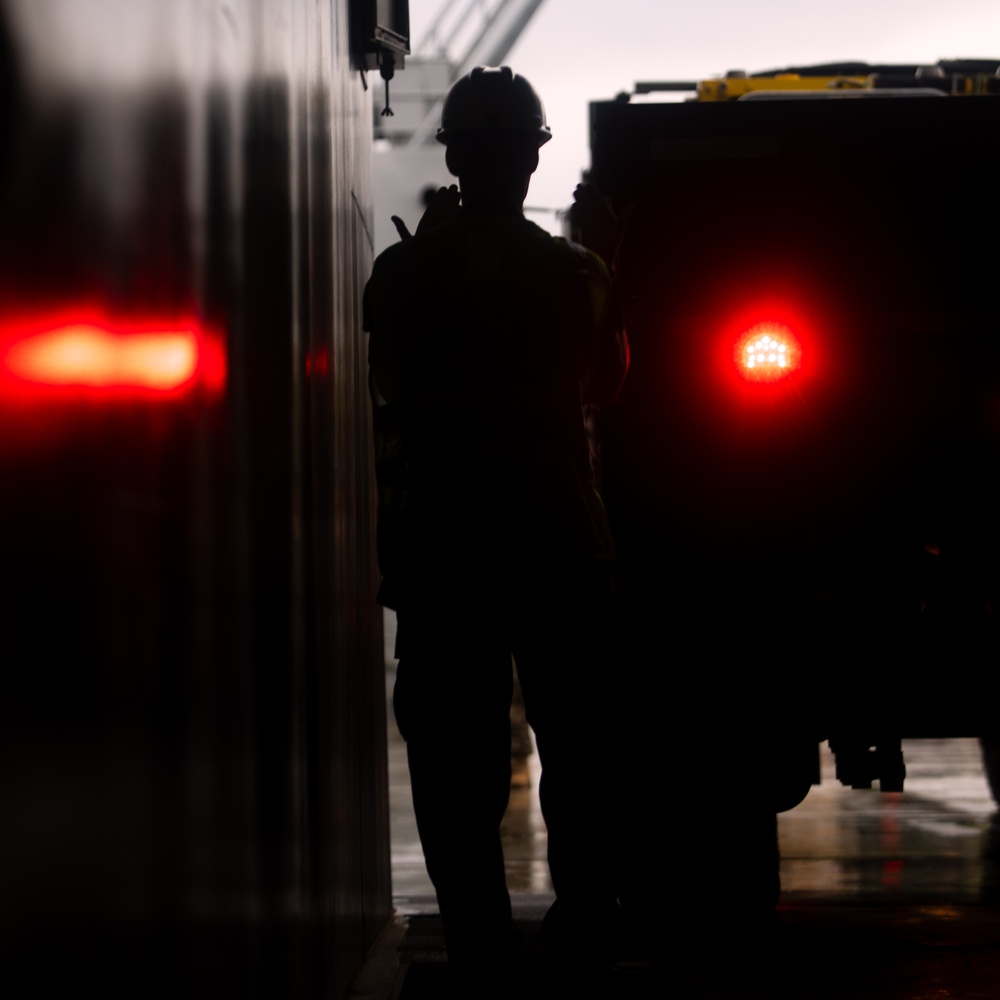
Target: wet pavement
[[885, 896]]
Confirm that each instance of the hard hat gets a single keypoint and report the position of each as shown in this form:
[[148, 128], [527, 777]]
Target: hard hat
[[493, 99]]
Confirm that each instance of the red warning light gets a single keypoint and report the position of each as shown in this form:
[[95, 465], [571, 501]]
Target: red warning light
[[89, 356], [98, 355], [767, 352]]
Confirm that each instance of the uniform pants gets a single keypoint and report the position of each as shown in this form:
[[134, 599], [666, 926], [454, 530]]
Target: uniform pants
[[452, 703]]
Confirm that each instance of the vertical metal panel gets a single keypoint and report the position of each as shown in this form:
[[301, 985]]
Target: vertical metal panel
[[193, 774]]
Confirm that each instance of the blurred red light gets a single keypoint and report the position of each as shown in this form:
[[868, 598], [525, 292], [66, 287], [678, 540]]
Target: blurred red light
[[72, 355], [86, 355]]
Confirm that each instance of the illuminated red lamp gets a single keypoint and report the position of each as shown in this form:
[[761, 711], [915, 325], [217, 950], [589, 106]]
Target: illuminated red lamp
[[767, 352], [97, 356]]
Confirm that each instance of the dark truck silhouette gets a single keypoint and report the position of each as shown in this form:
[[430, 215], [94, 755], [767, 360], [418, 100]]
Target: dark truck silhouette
[[802, 471]]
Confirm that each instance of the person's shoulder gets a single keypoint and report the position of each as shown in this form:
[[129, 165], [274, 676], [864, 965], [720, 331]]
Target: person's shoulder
[[383, 264], [418, 245], [504, 235], [581, 259], [557, 246], [393, 253], [396, 259]]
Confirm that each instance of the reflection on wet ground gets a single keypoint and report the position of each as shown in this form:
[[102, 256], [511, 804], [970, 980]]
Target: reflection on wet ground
[[884, 896], [931, 842]]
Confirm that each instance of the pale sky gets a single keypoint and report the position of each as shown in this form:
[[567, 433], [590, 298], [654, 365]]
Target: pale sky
[[576, 51]]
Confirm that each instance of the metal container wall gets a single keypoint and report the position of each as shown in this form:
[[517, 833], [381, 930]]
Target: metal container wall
[[192, 706]]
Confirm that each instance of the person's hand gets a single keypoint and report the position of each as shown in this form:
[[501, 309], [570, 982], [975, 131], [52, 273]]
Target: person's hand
[[443, 207], [600, 229]]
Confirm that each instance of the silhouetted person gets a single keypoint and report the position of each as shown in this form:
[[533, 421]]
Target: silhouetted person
[[487, 334]]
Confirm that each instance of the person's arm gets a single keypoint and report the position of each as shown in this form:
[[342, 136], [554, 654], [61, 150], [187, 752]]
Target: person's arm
[[600, 230], [608, 360]]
